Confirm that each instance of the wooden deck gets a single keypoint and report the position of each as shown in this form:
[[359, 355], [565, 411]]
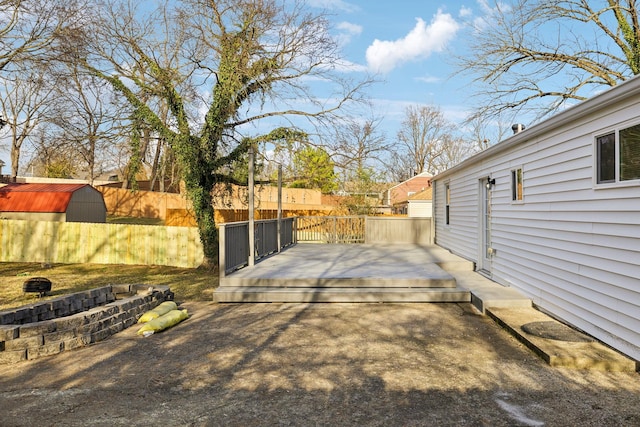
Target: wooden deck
[[349, 273]]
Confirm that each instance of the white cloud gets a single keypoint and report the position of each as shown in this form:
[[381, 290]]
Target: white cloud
[[348, 27], [422, 41], [465, 12], [347, 31], [429, 79]]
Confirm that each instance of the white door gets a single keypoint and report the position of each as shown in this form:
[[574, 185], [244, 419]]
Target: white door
[[485, 227]]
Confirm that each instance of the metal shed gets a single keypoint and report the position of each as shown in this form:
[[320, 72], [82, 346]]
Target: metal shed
[[52, 202]]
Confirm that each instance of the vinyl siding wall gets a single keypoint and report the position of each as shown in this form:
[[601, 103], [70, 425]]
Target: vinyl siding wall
[[419, 209], [573, 248]]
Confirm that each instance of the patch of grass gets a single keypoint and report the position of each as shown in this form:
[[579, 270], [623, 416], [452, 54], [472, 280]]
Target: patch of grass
[[188, 284]]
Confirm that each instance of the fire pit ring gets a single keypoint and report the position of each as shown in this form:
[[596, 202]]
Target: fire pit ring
[[40, 285]]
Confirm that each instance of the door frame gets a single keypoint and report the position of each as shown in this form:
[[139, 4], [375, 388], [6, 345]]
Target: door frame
[[485, 189]]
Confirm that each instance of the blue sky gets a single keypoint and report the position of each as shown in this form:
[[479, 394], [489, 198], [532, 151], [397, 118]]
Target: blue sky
[[408, 44]]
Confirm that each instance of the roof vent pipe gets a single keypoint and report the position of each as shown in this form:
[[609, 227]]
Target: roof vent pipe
[[517, 128]]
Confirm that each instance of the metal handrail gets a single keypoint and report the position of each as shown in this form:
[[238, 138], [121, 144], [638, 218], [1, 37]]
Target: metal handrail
[[234, 241]]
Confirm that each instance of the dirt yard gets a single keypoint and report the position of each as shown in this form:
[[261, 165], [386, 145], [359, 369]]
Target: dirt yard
[[314, 365]]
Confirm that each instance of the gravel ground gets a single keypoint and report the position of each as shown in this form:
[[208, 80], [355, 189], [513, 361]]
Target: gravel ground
[[314, 365]]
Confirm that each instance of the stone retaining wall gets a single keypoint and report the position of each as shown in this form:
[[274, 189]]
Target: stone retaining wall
[[74, 320]]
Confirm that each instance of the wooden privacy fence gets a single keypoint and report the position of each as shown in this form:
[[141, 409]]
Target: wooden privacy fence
[[331, 229], [364, 229], [398, 230], [73, 242]]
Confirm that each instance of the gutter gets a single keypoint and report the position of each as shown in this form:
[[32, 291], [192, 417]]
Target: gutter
[[621, 92]]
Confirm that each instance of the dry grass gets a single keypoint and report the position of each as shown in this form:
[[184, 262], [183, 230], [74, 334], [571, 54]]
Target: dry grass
[[187, 284]]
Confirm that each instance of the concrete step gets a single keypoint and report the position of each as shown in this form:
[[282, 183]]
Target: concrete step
[[442, 281], [456, 265], [328, 294], [486, 293], [558, 344]]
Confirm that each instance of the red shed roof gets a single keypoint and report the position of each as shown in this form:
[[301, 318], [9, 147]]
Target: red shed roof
[[37, 197]]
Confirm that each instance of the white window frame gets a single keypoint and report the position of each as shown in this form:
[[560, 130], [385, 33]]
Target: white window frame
[[447, 203], [616, 182], [514, 185]]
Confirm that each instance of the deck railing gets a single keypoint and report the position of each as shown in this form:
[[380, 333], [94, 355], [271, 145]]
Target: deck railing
[[234, 237], [331, 229], [234, 241]]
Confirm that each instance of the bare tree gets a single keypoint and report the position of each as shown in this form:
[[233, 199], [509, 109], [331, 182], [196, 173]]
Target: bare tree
[[29, 36], [360, 150], [485, 131], [358, 144], [533, 56], [25, 102], [454, 150], [239, 63], [86, 118], [49, 154], [29, 27], [422, 140]]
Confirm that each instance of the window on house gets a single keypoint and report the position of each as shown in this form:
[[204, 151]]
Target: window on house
[[516, 185], [618, 156], [606, 147], [447, 196], [630, 153]]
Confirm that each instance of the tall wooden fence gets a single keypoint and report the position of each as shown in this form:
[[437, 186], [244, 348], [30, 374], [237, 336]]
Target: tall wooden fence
[[331, 229], [72, 242], [398, 230], [364, 229]]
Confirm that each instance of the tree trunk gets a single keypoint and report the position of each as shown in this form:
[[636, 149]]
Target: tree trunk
[[203, 209], [15, 158]]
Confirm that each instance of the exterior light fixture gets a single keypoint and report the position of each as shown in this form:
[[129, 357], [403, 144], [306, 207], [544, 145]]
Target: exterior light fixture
[[490, 182]]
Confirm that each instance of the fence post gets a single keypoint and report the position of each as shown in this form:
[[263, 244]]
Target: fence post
[[222, 250], [279, 206], [252, 239]]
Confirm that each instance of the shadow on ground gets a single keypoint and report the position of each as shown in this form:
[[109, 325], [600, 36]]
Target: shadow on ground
[[315, 364]]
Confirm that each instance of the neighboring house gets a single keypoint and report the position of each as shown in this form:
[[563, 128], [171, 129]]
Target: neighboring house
[[420, 204], [52, 202], [554, 211], [397, 196]]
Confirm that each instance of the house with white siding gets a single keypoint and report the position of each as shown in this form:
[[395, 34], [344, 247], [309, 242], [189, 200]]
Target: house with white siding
[[396, 198], [420, 205], [554, 211]]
